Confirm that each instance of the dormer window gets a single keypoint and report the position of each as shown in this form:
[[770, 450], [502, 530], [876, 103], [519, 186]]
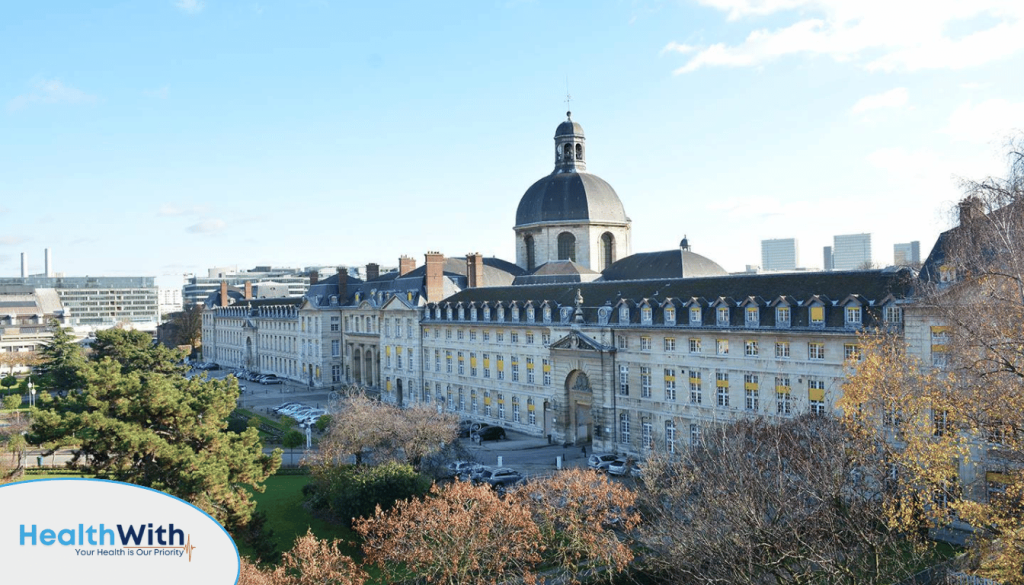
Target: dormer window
[[893, 315], [448, 313], [695, 316], [817, 317], [487, 313], [462, 313], [753, 316], [501, 314], [782, 316], [623, 314], [547, 314], [530, 314], [670, 315], [646, 315], [437, 313], [853, 316], [472, 313], [722, 316], [515, 314]]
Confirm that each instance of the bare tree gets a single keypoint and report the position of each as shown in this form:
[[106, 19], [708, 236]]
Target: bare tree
[[798, 501]]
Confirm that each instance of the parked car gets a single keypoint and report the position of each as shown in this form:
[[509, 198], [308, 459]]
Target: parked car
[[271, 379], [478, 473], [502, 477], [465, 428], [311, 416], [489, 433], [637, 470], [278, 409], [601, 461], [620, 466], [462, 469]]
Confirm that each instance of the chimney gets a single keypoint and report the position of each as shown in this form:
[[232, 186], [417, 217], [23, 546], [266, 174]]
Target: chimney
[[248, 290], [372, 271], [223, 293], [971, 209], [24, 265], [46, 269], [342, 284], [406, 265], [474, 270], [434, 280], [314, 277]]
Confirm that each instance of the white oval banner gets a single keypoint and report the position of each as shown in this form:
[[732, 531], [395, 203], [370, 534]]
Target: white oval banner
[[96, 531]]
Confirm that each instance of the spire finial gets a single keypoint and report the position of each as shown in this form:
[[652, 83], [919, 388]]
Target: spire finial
[[568, 99]]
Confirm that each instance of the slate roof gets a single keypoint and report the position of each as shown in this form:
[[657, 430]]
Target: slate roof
[[557, 271], [570, 197], [661, 265]]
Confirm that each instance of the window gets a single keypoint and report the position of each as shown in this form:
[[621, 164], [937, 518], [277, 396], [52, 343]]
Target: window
[[462, 364], [487, 403], [387, 356], [449, 401], [487, 313], [513, 337], [645, 381], [501, 366], [782, 316], [817, 316], [515, 368], [546, 367], [515, 313], [816, 351], [408, 353], [695, 316], [816, 396], [472, 313], [750, 348], [750, 391], [853, 316], [529, 337], [472, 401], [545, 338], [670, 436], [448, 333], [487, 335], [723, 347], [646, 434], [694, 345], [335, 348], [620, 342], [670, 316], [448, 361], [893, 314], [781, 349], [940, 420], [336, 373], [499, 337], [531, 314], [624, 427], [547, 314], [646, 315], [462, 400], [670, 344], [487, 365], [623, 314], [531, 415], [851, 352], [472, 364], [783, 403], [472, 335], [437, 360], [566, 246], [753, 317], [437, 332], [670, 384], [694, 434], [335, 323], [515, 410], [501, 406], [722, 383], [531, 378], [460, 333], [398, 358], [696, 394], [722, 318], [624, 380], [645, 343]]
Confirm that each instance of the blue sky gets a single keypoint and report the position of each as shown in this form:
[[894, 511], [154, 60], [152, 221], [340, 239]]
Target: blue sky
[[164, 137]]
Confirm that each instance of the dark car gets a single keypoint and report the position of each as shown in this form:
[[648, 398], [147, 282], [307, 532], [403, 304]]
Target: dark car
[[502, 477], [489, 433]]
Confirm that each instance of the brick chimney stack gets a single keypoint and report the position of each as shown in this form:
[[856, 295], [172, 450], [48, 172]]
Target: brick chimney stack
[[372, 271], [248, 290], [971, 208], [474, 270], [435, 276], [406, 265], [223, 293], [314, 277], [342, 284]]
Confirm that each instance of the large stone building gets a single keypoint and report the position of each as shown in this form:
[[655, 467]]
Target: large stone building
[[101, 302], [26, 313]]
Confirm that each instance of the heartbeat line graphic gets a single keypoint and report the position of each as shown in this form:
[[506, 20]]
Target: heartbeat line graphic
[[188, 548]]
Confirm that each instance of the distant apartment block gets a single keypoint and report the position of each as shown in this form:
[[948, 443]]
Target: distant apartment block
[[780, 254], [851, 252], [906, 254], [826, 259], [101, 302], [292, 282]]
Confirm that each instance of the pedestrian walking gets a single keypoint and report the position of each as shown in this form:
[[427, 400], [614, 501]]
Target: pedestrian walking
[[584, 451]]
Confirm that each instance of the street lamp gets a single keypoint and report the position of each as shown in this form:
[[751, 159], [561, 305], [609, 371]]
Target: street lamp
[[31, 393]]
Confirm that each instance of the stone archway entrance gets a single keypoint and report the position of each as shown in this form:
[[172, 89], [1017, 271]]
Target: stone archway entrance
[[580, 424]]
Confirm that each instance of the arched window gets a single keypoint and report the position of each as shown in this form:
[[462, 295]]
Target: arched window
[[531, 258], [579, 152], [566, 246], [568, 152], [607, 250]]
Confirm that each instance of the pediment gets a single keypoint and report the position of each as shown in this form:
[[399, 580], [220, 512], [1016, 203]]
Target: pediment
[[577, 341]]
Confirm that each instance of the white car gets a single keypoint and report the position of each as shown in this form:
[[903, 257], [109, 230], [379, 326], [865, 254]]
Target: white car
[[601, 461]]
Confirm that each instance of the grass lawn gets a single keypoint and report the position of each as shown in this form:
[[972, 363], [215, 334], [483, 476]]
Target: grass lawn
[[282, 502]]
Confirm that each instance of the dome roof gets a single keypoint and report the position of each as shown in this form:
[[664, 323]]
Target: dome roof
[[567, 197], [664, 264], [569, 128]]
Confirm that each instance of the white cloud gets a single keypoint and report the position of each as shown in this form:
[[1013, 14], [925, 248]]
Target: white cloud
[[210, 226], [50, 91], [878, 35], [189, 6], [674, 47], [894, 98], [991, 121]]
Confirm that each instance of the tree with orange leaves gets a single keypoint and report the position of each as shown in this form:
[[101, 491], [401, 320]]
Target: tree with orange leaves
[[311, 561]]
